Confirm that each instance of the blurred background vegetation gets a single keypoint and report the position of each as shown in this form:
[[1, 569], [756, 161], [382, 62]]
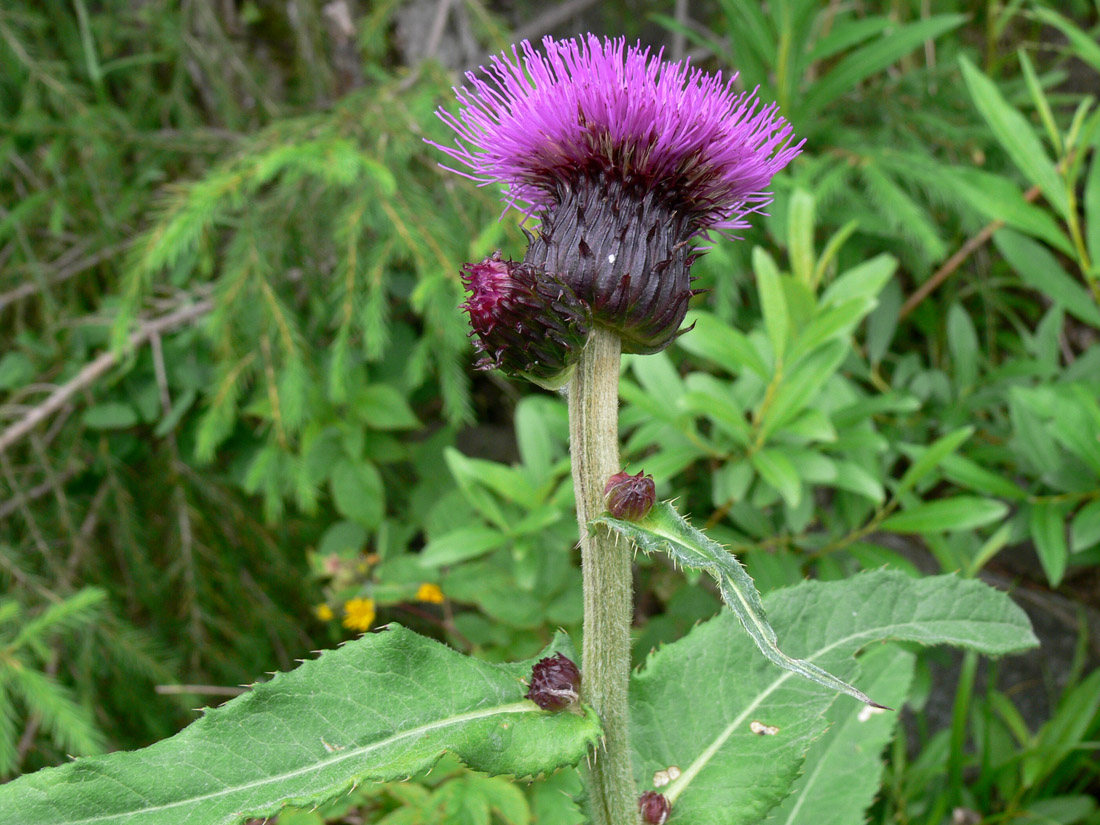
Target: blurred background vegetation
[[238, 420]]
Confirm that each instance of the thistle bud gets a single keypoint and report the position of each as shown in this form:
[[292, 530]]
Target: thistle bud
[[630, 497], [654, 808], [528, 322], [555, 683]]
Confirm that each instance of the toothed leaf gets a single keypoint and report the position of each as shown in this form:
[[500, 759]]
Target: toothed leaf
[[732, 772], [666, 531], [380, 708]]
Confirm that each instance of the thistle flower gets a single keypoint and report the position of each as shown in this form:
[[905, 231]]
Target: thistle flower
[[555, 682], [527, 322], [654, 808], [623, 158], [630, 497]]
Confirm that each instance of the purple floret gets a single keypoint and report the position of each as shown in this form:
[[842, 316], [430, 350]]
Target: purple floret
[[711, 149], [623, 159]]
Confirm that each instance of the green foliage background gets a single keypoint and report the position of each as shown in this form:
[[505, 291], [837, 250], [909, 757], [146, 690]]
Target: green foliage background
[[234, 384]]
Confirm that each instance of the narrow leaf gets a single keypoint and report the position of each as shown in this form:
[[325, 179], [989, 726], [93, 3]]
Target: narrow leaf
[[930, 458], [379, 708], [961, 513], [875, 56], [773, 304], [666, 531], [1040, 270], [722, 345], [1015, 135], [1047, 524]]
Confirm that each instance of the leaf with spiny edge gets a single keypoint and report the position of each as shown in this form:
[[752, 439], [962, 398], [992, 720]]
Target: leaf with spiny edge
[[380, 708], [695, 702], [666, 531]]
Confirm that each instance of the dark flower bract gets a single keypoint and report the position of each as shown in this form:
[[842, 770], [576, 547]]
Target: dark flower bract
[[630, 497], [555, 682], [623, 158], [527, 322]]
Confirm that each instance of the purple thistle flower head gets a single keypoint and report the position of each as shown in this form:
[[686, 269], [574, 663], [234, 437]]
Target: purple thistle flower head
[[527, 323], [623, 158]]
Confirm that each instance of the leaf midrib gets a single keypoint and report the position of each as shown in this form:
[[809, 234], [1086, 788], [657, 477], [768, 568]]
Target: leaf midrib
[[514, 707], [676, 788]]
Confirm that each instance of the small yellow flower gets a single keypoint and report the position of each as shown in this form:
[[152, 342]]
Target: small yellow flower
[[428, 592], [323, 612], [359, 614]]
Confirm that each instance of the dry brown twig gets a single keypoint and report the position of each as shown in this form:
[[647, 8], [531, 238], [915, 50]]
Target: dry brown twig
[[99, 366]]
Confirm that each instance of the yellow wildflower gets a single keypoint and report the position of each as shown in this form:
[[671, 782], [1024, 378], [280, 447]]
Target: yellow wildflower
[[359, 614], [323, 612], [428, 592]]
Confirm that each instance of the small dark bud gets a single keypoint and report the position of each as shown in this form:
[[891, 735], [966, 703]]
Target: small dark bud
[[555, 683], [630, 497], [654, 808], [527, 321]]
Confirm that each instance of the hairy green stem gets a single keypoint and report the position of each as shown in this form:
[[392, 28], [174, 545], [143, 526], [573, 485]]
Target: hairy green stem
[[606, 565]]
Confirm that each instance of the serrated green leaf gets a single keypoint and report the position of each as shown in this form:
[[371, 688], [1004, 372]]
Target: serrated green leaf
[[379, 708], [960, 513], [1015, 135], [664, 530], [729, 775], [843, 768]]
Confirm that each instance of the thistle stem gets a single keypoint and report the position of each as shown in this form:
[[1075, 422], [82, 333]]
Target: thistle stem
[[606, 566]]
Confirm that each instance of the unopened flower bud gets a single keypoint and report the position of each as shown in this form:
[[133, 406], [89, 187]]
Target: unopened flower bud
[[630, 497], [654, 808], [555, 683], [527, 321]]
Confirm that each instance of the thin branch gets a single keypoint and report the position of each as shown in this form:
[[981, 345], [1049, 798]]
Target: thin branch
[[63, 274], [956, 260], [34, 493], [96, 368]]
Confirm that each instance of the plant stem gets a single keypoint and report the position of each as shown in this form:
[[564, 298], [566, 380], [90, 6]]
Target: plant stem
[[606, 565]]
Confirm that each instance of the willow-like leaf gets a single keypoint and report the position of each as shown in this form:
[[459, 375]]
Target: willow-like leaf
[[664, 530], [380, 708]]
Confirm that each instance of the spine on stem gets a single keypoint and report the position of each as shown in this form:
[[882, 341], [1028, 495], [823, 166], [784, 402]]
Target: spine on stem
[[606, 567]]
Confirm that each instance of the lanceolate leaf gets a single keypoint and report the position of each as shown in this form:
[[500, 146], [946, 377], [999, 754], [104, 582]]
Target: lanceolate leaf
[[666, 531], [694, 704], [379, 708], [844, 767]]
